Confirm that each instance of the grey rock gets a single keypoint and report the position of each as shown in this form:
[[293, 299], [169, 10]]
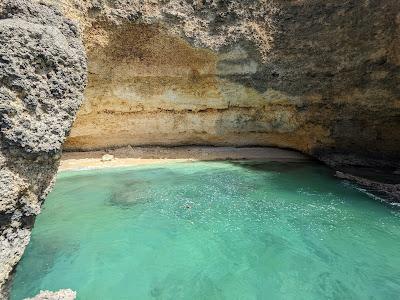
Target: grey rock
[[42, 78], [389, 192], [66, 294]]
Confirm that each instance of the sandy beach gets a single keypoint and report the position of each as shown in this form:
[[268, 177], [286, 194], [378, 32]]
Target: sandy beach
[[129, 156]]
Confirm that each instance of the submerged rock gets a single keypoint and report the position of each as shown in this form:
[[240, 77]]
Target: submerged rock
[[66, 294], [42, 78]]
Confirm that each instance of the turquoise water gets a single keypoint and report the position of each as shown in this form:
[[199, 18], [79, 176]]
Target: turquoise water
[[212, 230]]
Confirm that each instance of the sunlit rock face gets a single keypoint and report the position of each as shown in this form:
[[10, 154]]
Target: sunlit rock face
[[318, 76], [147, 86], [42, 78]]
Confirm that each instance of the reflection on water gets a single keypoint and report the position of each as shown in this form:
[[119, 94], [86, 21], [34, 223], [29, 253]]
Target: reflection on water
[[212, 230]]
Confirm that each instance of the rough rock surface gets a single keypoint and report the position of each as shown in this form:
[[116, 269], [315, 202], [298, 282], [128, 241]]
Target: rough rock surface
[[388, 191], [66, 294], [318, 76], [42, 78]]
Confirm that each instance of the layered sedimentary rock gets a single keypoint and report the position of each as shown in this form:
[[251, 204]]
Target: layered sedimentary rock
[[42, 78], [318, 76], [176, 94]]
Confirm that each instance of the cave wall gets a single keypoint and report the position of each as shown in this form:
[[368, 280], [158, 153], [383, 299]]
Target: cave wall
[[321, 77], [148, 87]]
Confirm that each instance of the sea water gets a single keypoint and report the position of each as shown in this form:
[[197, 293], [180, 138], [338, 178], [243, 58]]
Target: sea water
[[212, 230]]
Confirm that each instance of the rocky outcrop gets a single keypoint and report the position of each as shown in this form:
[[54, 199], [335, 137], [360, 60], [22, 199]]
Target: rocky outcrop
[[321, 77], [42, 78], [388, 191], [66, 294]]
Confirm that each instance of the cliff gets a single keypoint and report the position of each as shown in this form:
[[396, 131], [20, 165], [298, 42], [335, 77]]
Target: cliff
[[42, 78], [321, 77]]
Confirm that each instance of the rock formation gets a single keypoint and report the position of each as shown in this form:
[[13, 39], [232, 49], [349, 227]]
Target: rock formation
[[66, 294], [318, 76], [321, 77], [42, 78]]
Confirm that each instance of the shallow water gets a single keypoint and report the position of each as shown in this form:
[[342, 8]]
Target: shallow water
[[212, 230]]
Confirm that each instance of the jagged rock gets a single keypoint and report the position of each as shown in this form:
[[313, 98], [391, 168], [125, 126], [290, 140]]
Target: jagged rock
[[42, 78], [389, 192], [66, 294]]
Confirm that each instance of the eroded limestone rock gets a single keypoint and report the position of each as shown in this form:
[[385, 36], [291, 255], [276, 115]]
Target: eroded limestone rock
[[42, 78], [321, 77]]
